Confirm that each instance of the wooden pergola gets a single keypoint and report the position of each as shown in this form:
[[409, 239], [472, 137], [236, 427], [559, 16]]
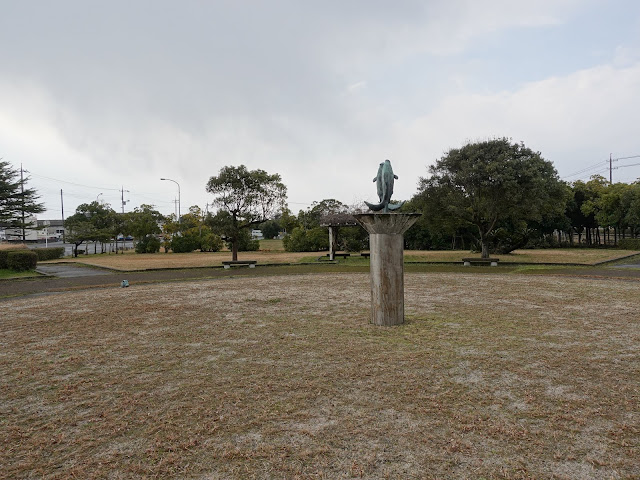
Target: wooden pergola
[[334, 221]]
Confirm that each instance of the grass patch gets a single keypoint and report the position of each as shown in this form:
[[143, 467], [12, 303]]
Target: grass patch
[[272, 245], [136, 261], [8, 274], [556, 255], [493, 376]]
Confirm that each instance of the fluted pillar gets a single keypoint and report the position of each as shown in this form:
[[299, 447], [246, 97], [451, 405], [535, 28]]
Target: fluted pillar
[[386, 242]]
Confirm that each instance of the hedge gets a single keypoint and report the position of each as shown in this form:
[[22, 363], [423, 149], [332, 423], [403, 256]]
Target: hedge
[[4, 253], [3, 259], [50, 253], [629, 244], [21, 260]]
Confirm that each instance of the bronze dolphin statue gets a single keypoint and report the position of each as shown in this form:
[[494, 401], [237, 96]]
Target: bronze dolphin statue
[[384, 182]]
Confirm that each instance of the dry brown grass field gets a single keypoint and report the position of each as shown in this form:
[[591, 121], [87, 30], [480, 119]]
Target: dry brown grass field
[[134, 261], [492, 377]]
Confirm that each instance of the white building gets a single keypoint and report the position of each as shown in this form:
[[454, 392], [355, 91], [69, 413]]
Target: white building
[[51, 230]]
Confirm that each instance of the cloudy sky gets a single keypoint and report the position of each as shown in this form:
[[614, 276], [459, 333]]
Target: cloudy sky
[[96, 96]]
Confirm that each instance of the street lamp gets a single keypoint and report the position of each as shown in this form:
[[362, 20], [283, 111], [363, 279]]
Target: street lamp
[[169, 180], [98, 196]]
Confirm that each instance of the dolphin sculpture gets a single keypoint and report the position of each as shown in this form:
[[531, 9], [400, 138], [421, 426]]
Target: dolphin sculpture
[[384, 182]]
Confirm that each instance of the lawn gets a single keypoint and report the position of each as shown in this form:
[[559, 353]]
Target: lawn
[[273, 253], [10, 274], [493, 376]]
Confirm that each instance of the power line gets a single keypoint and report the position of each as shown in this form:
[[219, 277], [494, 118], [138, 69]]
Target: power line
[[75, 184], [602, 167], [586, 169], [630, 165], [626, 158]]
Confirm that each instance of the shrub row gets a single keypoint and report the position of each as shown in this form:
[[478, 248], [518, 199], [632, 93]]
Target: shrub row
[[629, 244], [3, 259], [18, 260], [50, 253]]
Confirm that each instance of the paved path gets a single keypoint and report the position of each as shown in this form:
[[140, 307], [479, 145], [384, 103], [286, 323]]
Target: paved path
[[77, 277], [629, 265], [67, 270]]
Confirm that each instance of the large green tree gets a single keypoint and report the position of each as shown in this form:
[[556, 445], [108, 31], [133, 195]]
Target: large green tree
[[92, 222], [79, 229], [17, 202], [143, 223], [486, 184], [101, 216], [250, 197]]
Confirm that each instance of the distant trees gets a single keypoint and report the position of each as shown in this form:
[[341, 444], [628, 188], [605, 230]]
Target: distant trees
[[270, 229], [306, 234], [144, 224], [191, 233], [489, 186], [613, 207], [92, 222], [17, 203], [245, 198]]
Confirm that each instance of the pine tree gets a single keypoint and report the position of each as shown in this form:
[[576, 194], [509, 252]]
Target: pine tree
[[17, 203]]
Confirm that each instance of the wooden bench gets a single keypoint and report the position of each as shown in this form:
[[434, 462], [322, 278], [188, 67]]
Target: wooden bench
[[480, 261], [343, 255], [365, 254], [239, 263]]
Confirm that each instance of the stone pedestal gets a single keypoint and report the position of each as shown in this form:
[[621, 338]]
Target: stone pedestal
[[386, 243]]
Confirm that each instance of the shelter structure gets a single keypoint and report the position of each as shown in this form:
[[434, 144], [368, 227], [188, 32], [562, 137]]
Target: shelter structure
[[334, 221]]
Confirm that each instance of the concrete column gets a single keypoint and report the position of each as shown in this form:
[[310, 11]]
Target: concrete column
[[386, 242]]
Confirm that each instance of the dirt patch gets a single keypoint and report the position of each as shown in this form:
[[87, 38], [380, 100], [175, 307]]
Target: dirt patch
[[493, 376]]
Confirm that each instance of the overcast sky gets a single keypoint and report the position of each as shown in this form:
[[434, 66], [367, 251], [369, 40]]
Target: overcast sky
[[100, 95]]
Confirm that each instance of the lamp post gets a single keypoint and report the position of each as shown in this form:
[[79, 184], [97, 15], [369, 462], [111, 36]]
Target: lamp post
[[169, 180], [98, 196]]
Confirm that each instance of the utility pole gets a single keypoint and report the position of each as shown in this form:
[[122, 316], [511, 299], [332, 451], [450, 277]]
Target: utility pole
[[175, 206], [610, 170], [122, 197], [62, 207]]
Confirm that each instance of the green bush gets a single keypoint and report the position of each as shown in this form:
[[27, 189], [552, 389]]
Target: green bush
[[148, 244], [302, 240], [5, 252], [3, 259], [353, 239], [245, 242], [184, 244], [210, 242], [50, 253], [629, 244], [21, 260]]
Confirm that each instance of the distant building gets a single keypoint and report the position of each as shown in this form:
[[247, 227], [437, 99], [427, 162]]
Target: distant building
[[257, 234], [41, 231], [30, 234], [51, 229]]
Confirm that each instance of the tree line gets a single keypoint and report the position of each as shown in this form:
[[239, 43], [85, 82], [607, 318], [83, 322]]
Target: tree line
[[492, 196], [499, 196]]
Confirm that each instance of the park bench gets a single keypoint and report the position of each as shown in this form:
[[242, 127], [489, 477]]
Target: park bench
[[480, 261], [335, 255], [365, 254], [343, 255], [239, 263]]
